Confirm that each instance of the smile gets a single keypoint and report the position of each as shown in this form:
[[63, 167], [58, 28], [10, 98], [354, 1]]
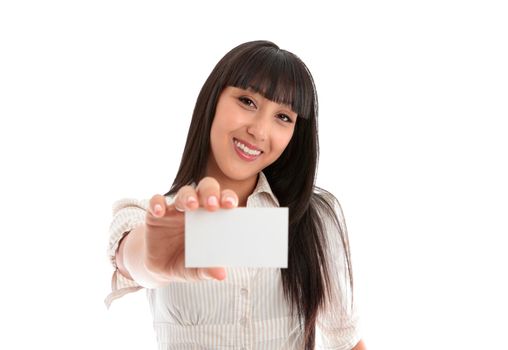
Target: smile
[[246, 152]]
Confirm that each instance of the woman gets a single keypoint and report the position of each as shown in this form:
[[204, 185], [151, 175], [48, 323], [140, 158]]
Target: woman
[[252, 142]]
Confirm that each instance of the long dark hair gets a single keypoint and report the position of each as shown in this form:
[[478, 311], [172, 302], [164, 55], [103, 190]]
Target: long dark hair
[[281, 77]]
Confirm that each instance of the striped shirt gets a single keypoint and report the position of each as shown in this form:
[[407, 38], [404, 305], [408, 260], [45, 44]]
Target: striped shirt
[[248, 310]]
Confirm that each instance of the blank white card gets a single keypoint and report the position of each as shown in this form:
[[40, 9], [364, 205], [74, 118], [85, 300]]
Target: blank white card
[[240, 237]]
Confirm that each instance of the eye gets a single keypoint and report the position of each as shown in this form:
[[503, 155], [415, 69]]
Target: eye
[[284, 118], [247, 101]]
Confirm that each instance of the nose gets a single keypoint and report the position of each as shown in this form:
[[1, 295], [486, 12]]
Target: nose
[[259, 128]]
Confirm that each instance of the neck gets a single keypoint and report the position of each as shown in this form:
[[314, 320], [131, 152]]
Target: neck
[[243, 188]]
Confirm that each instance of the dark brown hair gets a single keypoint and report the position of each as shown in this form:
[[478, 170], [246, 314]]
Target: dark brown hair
[[282, 77]]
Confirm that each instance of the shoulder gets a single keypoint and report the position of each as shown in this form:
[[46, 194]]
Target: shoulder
[[326, 202]]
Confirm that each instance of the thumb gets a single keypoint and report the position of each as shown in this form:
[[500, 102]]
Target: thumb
[[216, 273]]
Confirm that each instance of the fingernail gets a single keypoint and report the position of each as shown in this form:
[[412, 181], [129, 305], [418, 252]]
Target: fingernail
[[157, 209], [231, 200], [212, 201], [191, 200]]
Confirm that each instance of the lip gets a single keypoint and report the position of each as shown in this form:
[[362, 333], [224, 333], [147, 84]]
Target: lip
[[244, 156], [251, 146]]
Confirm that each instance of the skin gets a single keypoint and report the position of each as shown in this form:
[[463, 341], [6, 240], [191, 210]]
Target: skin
[[360, 346], [253, 119], [153, 253]]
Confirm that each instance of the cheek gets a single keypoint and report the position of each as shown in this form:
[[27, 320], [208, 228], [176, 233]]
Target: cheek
[[281, 141], [216, 140], [224, 122], [217, 131]]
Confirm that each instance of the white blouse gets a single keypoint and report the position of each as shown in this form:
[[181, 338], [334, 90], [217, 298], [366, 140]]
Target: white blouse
[[245, 311]]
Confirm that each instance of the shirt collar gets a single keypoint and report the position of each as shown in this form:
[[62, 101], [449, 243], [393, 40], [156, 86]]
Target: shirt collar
[[264, 187]]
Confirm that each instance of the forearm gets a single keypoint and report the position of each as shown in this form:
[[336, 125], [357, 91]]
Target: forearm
[[130, 260]]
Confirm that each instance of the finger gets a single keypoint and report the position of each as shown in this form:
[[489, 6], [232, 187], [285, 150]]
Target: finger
[[229, 199], [216, 273], [157, 206], [186, 199], [208, 191]]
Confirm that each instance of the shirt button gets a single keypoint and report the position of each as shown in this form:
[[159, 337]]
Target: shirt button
[[244, 292], [243, 321]]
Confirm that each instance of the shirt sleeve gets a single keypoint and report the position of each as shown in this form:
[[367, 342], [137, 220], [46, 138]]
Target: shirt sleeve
[[127, 214], [338, 321]]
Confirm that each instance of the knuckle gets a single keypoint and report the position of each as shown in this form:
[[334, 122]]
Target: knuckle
[[151, 220], [182, 194], [190, 191], [209, 183], [154, 199], [185, 189]]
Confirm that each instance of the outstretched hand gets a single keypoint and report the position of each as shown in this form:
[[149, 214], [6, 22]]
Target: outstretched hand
[[165, 229]]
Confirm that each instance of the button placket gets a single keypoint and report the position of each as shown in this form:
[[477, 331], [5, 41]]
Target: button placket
[[244, 309]]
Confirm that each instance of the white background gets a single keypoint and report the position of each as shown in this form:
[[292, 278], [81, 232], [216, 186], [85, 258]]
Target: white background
[[95, 102]]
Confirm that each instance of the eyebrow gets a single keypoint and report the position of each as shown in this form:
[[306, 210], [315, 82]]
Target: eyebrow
[[251, 90]]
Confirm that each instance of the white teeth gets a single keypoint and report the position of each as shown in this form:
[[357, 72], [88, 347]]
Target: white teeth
[[246, 149]]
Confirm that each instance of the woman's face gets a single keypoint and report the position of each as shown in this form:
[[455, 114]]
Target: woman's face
[[249, 132]]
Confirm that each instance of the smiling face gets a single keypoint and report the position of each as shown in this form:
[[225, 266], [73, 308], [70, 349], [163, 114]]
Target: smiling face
[[249, 132]]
